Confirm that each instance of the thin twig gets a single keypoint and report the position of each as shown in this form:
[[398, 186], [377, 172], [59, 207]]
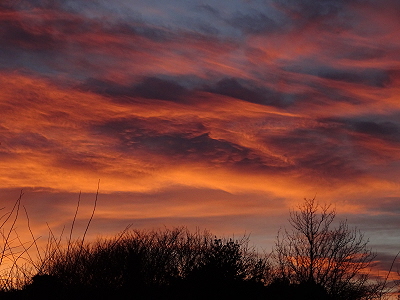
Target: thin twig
[[120, 236], [32, 235], [15, 204], [388, 274], [93, 211], [15, 260], [6, 238], [73, 223]]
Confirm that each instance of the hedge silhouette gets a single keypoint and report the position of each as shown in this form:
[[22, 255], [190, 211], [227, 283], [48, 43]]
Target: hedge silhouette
[[169, 264]]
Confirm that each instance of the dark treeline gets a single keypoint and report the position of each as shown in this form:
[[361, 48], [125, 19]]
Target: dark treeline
[[312, 260]]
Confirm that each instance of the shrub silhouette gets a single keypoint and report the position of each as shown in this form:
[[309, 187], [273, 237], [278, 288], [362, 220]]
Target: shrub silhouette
[[169, 264], [222, 262], [227, 271]]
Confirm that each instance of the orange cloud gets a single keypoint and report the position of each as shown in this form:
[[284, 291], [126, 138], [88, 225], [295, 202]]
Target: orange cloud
[[222, 128]]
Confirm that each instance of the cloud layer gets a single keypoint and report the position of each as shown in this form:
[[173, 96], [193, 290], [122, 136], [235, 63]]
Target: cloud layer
[[252, 106]]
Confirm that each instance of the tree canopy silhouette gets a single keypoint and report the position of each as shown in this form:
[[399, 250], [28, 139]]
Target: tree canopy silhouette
[[318, 254]]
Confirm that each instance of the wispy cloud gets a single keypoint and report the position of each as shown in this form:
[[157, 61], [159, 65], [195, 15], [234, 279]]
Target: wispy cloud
[[179, 105]]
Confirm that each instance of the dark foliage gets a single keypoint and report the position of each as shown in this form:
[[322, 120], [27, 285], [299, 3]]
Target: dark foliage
[[170, 264], [282, 289]]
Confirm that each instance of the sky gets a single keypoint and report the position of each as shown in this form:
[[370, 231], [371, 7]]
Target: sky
[[220, 115]]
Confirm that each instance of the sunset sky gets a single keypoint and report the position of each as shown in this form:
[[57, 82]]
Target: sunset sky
[[212, 114]]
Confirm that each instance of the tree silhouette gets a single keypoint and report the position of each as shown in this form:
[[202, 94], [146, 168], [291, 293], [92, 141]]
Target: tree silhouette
[[314, 253]]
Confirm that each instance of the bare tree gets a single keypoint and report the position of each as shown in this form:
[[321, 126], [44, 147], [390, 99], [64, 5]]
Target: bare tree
[[316, 252]]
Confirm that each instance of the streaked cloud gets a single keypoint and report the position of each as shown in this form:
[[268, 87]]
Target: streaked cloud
[[201, 114]]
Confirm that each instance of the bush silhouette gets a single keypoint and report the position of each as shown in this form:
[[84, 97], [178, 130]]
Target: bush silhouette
[[169, 264]]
